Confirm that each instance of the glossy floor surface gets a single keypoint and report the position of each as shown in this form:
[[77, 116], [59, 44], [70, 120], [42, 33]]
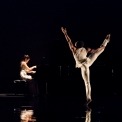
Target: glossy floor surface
[[62, 109]]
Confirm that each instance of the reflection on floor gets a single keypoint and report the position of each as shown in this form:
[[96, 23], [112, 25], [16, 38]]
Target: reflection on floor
[[60, 109]]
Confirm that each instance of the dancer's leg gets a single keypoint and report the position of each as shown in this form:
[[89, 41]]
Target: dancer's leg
[[105, 42], [97, 52], [88, 116], [86, 77]]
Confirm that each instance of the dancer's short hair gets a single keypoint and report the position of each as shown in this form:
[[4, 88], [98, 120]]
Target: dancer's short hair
[[79, 44]]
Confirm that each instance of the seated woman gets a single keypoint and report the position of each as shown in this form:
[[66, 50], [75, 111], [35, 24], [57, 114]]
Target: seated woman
[[25, 69]]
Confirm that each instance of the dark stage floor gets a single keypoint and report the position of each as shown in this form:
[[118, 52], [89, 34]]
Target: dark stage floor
[[63, 109]]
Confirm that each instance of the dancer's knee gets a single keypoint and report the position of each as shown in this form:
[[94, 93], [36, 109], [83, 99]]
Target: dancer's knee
[[87, 83]]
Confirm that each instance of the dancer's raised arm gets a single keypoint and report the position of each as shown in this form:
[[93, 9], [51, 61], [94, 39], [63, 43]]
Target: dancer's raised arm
[[71, 46]]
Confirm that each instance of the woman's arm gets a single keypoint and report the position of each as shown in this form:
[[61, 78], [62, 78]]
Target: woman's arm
[[28, 69]]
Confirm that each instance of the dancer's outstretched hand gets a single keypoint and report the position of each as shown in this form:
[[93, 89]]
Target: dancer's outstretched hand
[[63, 30]]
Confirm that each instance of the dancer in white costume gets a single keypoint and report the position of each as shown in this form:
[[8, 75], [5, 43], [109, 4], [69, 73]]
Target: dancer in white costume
[[83, 60], [25, 69]]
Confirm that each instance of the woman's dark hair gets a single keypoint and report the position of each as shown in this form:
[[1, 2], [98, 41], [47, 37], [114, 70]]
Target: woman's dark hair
[[26, 57], [79, 44]]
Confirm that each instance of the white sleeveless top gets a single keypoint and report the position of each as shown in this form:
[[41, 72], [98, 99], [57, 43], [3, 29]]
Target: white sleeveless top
[[23, 73], [80, 56]]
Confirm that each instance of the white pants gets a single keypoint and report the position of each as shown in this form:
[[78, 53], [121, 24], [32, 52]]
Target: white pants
[[85, 72], [24, 75]]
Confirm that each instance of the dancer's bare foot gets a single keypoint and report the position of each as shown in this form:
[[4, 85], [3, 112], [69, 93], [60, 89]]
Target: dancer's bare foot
[[108, 37], [88, 101]]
